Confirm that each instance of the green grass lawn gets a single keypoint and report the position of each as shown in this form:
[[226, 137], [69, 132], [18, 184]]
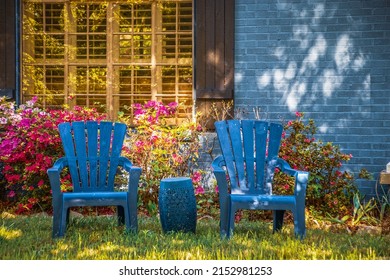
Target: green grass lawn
[[92, 238]]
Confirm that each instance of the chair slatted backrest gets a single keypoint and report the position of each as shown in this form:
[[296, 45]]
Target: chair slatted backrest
[[92, 150], [249, 148]]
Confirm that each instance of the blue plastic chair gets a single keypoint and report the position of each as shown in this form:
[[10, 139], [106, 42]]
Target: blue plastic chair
[[92, 156], [245, 172]]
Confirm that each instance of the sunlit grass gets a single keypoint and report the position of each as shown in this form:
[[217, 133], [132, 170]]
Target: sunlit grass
[[100, 238], [9, 234]]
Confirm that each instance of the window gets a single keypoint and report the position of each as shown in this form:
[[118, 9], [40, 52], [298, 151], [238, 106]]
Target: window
[[107, 54]]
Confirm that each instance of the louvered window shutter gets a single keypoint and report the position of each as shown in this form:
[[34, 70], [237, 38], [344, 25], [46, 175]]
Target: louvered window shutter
[[7, 48], [214, 52]]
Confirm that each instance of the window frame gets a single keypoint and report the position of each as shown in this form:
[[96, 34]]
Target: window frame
[[182, 92]]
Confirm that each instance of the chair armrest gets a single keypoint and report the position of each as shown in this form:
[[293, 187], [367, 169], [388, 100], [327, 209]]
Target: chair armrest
[[223, 194], [134, 173], [217, 164], [220, 175], [54, 174], [285, 167]]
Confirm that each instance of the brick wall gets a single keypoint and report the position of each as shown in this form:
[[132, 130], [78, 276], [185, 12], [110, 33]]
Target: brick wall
[[328, 59]]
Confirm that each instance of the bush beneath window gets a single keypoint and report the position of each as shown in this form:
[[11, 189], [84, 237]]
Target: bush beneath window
[[161, 150]]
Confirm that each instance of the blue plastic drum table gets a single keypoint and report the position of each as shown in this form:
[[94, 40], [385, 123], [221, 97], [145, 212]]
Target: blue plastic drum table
[[177, 205]]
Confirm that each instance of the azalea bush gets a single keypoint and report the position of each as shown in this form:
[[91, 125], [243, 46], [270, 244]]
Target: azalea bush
[[29, 145], [161, 149], [330, 189]]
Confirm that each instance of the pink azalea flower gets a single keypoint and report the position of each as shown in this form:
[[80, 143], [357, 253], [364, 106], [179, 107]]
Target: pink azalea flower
[[298, 114], [11, 194], [199, 190]]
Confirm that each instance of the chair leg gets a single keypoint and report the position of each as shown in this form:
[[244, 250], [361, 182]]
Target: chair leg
[[133, 220], [224, 210], [56, 223], [278, 220], [60, 219], [232, 216], [128, 220], [299, 222], [132, 211], [64, 220], [224, 221], [126, 217]]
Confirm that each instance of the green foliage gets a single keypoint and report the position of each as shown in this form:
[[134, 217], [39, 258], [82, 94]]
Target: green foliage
[[383, 205], [208, 204], [362, 213], [330, 190]]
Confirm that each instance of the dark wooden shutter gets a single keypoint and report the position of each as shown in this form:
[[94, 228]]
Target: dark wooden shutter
[[7, 48], [214, 52]]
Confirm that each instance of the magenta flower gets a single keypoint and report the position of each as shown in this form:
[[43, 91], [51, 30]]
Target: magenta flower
[[139, 144], [151, 104], [298, 114], [199, 190], [25, 123], [196, 177], [11, 194]]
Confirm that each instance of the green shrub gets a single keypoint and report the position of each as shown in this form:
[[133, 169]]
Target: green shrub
[[161, 150], [330, 189]]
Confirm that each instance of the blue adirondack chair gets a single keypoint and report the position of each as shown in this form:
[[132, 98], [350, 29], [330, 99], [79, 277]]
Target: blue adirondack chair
[[92, 156], [245, 171]]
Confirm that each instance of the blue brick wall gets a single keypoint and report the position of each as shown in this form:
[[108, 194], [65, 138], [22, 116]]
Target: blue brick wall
[[329, 59]]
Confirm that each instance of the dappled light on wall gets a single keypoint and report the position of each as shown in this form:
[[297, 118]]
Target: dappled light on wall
[[328, 59], [312, 65]]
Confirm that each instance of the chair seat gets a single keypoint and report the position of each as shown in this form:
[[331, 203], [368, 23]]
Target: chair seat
[[95, 198], [270, 202]]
